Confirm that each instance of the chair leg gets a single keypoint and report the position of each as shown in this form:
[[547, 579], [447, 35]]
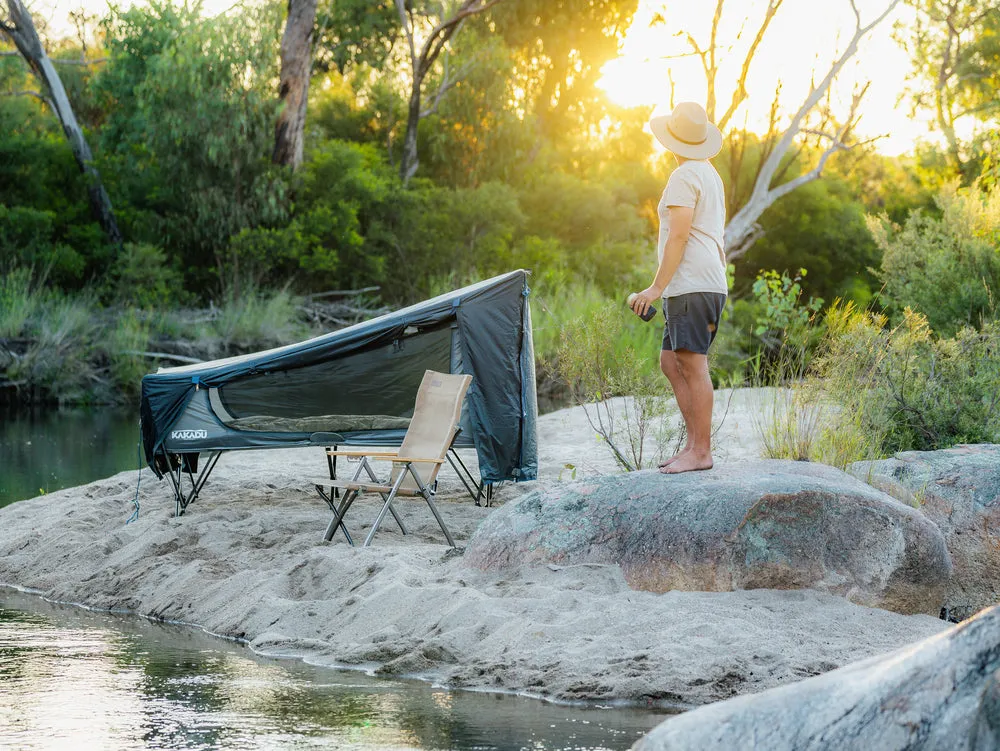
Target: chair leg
[[371, 474], [338, 517], [447, 534], [386, 507], [426, 493]]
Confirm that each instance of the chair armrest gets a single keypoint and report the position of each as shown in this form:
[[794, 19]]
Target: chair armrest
[[381, 452], [409, 459]]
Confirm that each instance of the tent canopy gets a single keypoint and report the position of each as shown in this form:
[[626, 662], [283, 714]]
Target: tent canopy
[[357, 385]]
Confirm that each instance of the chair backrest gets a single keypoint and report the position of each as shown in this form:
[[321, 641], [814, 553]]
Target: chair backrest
[[433, 426]]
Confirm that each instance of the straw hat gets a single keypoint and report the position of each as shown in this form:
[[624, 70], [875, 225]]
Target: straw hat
[[687, 132]]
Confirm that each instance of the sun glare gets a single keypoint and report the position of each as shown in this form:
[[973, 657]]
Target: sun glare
[[803, 39]]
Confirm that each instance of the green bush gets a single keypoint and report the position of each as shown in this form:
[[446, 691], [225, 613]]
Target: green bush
[[28, 239], [255, 320], [946, 268], [910, 387], [59, 363], [144, 277]]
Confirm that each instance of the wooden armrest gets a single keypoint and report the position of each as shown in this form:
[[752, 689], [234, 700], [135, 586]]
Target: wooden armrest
[[408, 459], [381, 452]]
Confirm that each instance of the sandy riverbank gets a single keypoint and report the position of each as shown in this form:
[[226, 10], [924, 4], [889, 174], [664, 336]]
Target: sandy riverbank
[[248, 561]]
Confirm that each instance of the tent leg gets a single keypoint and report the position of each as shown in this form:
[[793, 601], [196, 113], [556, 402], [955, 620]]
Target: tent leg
[[181, 499], [452, 458]]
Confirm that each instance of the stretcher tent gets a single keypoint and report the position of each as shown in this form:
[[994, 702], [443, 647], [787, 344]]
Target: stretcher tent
[[357, 386]]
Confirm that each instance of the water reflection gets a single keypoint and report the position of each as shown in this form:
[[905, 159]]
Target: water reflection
[[46, 450], [74, 679]]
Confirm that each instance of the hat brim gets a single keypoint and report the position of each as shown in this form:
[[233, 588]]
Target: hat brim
[[707, 149]]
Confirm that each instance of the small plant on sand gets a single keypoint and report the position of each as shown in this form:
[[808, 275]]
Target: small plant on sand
[[622, 393]]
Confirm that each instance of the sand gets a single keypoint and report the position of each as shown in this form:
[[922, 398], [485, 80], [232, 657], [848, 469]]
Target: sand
[[248, 561]]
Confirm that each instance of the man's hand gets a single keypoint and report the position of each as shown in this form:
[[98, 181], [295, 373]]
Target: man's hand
[[642, 300]]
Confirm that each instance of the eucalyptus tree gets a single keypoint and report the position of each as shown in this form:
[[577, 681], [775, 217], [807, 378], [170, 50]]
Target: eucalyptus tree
[[293, 86], [954, 48], [19, 29], [813, 119]]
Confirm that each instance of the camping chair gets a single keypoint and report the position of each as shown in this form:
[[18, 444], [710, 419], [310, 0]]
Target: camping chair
[[415, 463]]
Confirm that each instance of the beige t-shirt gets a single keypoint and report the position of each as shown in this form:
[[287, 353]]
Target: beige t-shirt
[[695, 184]]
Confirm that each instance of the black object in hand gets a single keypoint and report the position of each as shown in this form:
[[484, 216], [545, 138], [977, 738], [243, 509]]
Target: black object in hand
[[650, 311]]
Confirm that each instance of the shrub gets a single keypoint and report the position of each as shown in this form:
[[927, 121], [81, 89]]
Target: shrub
[[946, 268], [58, 362], [258, 319], [18, 302], [128, 338], [912, 388], [623, 394], [143, 277]]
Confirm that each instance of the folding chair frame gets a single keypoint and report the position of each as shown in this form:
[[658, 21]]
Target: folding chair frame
[[351, 495], [339, 511], [476, 490]]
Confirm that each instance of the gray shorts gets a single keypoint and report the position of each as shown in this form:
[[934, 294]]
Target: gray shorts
[[692, 321]]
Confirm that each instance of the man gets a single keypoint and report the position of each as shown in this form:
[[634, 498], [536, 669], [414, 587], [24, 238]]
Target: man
[[691, 277]]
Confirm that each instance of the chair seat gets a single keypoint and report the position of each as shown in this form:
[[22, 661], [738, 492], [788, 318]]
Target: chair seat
[[371, 487]]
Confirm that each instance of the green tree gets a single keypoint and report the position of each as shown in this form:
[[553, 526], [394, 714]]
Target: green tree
[[947, 268], [954, 48], [190, 127]]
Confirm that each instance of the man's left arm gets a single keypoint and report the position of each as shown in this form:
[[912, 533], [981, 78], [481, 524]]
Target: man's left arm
[[680, 228]]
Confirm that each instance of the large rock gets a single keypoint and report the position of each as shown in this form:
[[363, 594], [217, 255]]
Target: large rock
[[959, 490], [760, 524], [941, 693]]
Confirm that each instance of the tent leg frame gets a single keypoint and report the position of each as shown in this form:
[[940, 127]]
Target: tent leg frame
[[181, 499], [481, 488]]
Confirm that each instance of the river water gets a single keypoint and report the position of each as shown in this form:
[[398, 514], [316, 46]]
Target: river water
[[76, 680]]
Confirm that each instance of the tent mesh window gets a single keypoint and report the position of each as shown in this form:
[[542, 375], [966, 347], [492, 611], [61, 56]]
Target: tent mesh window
[[370, 393]]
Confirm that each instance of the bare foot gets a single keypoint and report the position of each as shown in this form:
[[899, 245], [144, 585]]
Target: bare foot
[[675, 457], [689, 462]]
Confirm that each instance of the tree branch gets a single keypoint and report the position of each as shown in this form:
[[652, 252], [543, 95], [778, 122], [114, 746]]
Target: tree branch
[[37, 94], [62, 61], [740, 93]]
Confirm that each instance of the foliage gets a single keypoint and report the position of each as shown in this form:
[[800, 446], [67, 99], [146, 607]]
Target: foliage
[[946, 268], [954, 48], [256, 320], [624, 397], [912, 388], [189, 130], [781, 309], [59, 360], [819, 226], [128, 338], [143, 276], [18, 302]]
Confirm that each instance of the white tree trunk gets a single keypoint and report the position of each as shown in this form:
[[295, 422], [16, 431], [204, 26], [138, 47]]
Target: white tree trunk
[[743, 229]]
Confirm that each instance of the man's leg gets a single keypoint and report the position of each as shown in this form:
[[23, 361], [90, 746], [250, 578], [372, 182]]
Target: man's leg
[[700, 396], [671, 369]]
